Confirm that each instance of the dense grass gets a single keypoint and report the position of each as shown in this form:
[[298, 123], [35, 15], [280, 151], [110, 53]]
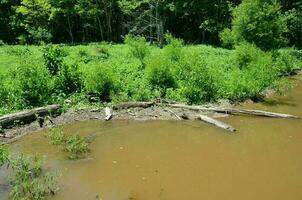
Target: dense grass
[[33, 76]]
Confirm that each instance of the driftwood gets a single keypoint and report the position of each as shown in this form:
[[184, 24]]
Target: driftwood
[[108, 114], [216, 123], [173, 113], [128, 105], [234, 111], [27, 116]]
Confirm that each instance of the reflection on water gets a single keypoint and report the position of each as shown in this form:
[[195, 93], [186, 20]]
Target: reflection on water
[[163, 160]]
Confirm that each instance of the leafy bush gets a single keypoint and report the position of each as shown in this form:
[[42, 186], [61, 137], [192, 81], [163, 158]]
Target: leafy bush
[[76, 146], [246, 54], [159, 74], [173, 49], [200, 86], [228, 38], [53, 58], [69, 79], [138, 47], [287, 61], [260, 22], [31, 84], [100, 81]]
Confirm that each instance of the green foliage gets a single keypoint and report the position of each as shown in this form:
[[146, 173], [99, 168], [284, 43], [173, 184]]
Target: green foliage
[[53, 58], [76, 146], [287, 61], [138, 46], [159, 74], [246, 54], [68, 80], [28, 180], [173, 49], [100, 80], [4, 154], [260, 22], [31, 84]]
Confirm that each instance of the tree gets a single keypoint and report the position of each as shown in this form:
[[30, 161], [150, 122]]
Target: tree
[[260, 22], [34, 17]]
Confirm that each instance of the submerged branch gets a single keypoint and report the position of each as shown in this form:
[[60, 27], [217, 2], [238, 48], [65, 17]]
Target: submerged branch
[[217, 123]]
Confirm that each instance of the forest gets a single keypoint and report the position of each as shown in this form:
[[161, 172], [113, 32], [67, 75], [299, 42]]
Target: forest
[[202, 21]]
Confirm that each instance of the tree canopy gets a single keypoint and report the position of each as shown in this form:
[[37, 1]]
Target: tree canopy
[[263, 22]]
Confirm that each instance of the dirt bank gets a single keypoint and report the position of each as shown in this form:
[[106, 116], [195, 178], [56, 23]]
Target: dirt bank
[[84, 114]]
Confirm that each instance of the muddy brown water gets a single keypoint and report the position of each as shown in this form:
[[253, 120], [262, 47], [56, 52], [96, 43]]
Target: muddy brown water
[[166, 160]]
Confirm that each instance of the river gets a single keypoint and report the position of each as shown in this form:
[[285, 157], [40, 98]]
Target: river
[[170, 160]]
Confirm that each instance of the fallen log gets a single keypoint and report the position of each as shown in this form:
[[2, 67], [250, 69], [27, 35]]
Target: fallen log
[[27, 116], [216, 123], [127, 105], [108, 114], [235, 111]]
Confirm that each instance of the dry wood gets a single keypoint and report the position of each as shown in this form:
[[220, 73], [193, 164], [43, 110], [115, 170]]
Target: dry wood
[[216, 123], [235, 111], [27, 116], [108, 114], [127, 105], [173, 113]]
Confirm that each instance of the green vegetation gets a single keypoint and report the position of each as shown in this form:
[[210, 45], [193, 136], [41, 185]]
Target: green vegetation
[[76, 146], [137, 71], [150, 65], [27, 178]]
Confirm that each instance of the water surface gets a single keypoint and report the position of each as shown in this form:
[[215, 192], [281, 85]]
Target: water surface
[[164, 160]]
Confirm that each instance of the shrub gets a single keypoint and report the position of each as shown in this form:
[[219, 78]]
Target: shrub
[[100, 81], [260, 22], [287, 61], [159, 74], [53, 58], [69, 79], [246, 54], [31, 84], [173, 49], [138, 47], [228, 38], [200, 86]]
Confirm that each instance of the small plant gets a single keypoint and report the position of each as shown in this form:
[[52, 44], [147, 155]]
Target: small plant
[[27, 178], [100, 82], [174, 48], [138, 47], [69, 79], [159, 74], [76, 146], [53, 58], [4, 154]]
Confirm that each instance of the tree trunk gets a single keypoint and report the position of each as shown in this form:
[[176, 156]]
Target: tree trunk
[[27, 116]]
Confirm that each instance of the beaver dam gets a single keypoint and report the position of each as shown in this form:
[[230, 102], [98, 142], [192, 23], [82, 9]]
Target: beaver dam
[[165, 160]]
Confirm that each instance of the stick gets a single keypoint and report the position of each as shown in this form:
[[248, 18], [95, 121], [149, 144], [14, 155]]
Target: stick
[[235, 111], [216, 123], [173, 113], [127, 105], [108, 114]]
